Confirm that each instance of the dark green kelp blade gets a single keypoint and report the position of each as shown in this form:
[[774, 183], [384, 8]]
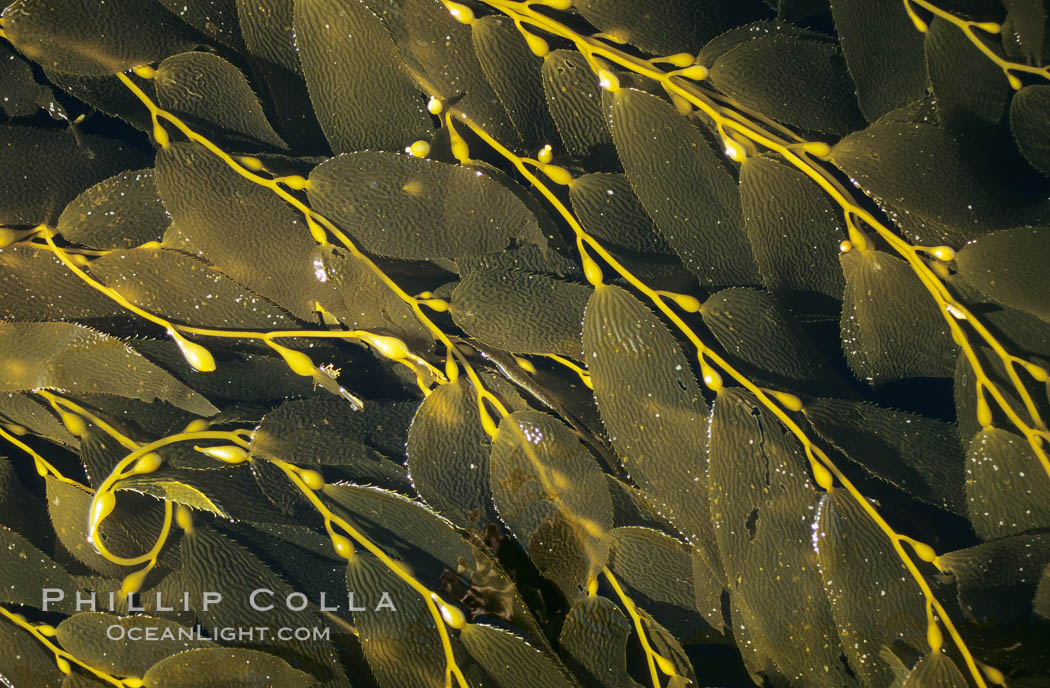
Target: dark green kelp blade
[[440, 55], [666, 26], [575, 102], [659, 573], [226, 667], [766, 342], [879, 39], [44, 169], [919, 455], [998, 581], [891, 328], [199, 190], [123, 211], [595, 636], [521, 312], [339, 41], [762, 503], [78, 359], [799, 81], [552, 495], [923, 176], [874, 600], [27, 571], [448, 457], [90, 636], [398, 634], [217, 211], [405, 207], [1007, 490], [515, 74], [607, 207], [511, 661], [794, 229], [27, 662], [207, 555], [186, 290], [972, 96], [935, 671], [93, 39], [1007, 265], [216, 98], [1028, 112], [652, 409], [683, 185]]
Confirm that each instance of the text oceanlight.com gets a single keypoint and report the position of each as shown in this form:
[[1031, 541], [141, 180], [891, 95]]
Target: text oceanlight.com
[[244, 634]]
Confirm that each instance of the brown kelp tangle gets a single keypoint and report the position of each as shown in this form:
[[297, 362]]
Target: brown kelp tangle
[[567, 342]]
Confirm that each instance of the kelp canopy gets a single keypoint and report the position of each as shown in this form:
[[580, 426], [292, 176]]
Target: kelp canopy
[[562, 343]]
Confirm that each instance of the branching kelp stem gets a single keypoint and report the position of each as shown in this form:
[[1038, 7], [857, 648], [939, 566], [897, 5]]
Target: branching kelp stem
[[967, 26]]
